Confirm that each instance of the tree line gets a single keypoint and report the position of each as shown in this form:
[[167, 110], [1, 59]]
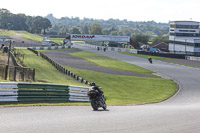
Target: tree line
[[31, 24], [140, 32]]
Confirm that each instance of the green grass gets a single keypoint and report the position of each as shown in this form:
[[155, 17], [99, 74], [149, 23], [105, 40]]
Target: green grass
[[109, 62], [118, 89], [24, 34], [45, 72], [8, 33], [122, 90], [57, 40], [30, 36]]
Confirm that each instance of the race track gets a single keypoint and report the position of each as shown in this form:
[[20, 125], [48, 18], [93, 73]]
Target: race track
[[179, 114]]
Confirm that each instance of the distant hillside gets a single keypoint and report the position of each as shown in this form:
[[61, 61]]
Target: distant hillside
[[111, 26]]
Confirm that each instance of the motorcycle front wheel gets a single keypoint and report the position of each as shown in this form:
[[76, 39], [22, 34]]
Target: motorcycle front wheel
[[104, 106], [93, 104]]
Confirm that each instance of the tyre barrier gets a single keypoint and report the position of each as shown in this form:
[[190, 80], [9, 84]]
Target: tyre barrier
[[35, 92]]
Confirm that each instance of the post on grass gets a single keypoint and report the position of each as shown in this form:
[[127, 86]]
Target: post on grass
[[8, 62]]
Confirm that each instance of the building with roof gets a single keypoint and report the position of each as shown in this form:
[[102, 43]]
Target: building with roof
[[184, 37], [162, 46]]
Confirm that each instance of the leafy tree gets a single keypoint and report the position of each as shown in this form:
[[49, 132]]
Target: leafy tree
[[75, 30], [113, 30], [159, 39], [96, 29], [45, 24], [63, 30], [140, 39], [85, 29], [23, 22], [19, 22], [123, 27], [39, 24], [114, 33], [127, 31], [5, 19]]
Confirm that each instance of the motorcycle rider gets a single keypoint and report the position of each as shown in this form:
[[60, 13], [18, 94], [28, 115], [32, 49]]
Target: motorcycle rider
[[99, 100], [95, 87], [150, 59]]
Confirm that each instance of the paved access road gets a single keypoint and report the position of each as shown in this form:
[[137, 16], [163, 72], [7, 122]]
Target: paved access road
[[179, 114]]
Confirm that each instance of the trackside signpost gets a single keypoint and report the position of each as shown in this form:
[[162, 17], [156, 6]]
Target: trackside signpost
[[87, 37]]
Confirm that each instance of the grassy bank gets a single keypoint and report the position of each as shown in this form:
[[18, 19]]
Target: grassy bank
[[45, 72], [57, 40], [118, 89], [24, 34], [121, 89], [109, 62]]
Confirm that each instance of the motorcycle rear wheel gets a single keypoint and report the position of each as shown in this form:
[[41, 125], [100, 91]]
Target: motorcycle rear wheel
[[93, 104]]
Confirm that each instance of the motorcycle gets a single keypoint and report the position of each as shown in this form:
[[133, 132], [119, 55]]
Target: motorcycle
[[150, 60], [97, 99]]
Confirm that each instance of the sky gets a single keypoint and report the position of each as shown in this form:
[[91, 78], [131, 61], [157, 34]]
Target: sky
[[132, 10]]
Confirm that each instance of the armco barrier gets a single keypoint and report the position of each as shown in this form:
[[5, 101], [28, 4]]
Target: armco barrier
[[35, 92], [171, 55], [50, 47], [60, 67], [112, 48], [63, 69]]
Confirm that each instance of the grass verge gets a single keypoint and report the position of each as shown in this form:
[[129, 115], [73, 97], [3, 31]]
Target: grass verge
[[24, 34], [45, 72], [57, 40], [118, 89], [109, 62], [123, 90]]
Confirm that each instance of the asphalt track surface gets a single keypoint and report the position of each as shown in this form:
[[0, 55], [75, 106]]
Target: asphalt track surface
[[63, 58], [179, 114]]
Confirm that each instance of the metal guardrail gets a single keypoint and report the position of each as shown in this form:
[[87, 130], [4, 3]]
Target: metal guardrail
[[112, 48], [192, 58], [36, 92], [60, 67], [50, 47]]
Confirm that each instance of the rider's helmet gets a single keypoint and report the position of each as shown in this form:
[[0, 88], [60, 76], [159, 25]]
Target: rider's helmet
[[93, 84]]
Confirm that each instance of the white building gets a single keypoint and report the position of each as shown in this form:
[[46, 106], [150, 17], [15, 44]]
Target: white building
[[184, 37]]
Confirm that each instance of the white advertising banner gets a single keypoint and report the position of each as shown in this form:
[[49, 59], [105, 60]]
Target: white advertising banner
[[86, 37]]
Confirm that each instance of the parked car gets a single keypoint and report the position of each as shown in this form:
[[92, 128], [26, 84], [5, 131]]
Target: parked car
[[155, 50]]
